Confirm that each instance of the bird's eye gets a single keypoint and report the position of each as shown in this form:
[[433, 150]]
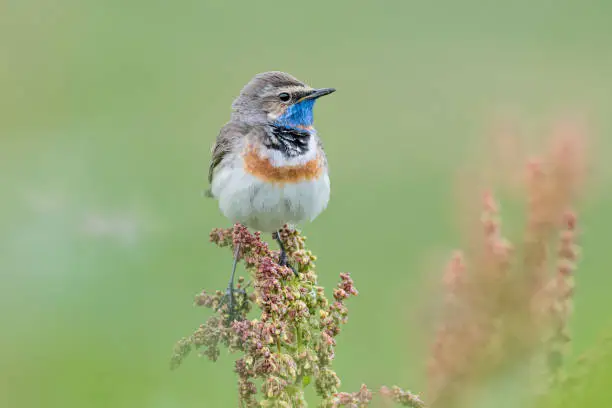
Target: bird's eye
[[284, 97]]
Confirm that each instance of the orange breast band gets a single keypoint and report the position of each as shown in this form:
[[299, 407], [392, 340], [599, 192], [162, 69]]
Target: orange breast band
[[264, 170]]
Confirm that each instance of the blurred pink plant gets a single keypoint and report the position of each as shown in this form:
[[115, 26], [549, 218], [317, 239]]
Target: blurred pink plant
[[504, 304]]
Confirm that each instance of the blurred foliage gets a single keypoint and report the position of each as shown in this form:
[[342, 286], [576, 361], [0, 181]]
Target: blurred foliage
[[107, 113], [586, 382]]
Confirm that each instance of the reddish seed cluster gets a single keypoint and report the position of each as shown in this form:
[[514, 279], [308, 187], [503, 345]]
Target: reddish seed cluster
[[292, 342], [361, 398], [403, 397], [345, 288]]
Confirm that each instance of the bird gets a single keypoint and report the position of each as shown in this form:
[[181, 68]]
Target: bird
[[268, 167]]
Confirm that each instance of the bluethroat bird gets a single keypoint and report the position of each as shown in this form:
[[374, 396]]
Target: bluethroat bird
[[268, 166]]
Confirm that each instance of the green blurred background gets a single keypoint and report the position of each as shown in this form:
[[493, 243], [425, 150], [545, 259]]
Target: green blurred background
[[107, 113]]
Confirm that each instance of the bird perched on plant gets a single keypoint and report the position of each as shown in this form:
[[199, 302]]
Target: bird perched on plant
[[268, 166]]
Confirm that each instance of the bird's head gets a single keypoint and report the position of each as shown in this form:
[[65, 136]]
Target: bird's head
[[278, 98]]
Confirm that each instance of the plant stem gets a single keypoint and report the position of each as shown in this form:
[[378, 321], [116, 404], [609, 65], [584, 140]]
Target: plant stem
[[298, 336], [278, 345]]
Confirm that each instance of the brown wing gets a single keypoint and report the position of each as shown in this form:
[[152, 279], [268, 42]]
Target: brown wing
[[228, 137], [219, 150]]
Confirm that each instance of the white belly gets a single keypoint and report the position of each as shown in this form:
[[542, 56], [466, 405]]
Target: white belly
[[264, 206]]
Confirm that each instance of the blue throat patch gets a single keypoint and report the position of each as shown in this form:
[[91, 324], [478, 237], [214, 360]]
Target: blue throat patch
[[297, 116]]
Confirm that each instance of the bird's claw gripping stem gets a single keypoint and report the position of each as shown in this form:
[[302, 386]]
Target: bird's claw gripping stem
[[282, 259]]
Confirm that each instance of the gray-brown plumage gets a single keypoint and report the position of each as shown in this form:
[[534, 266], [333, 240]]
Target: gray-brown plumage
[[260, 96], [254, 107], [257, 99], [229, 135]]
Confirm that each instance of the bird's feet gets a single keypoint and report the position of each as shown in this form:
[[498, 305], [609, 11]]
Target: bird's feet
[[234, 300], [283, 262], [282, 259]]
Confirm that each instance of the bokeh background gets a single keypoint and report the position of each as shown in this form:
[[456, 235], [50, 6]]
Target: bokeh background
[[108, 110]]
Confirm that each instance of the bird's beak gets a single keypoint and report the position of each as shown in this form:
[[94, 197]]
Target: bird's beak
[[317, 93]]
